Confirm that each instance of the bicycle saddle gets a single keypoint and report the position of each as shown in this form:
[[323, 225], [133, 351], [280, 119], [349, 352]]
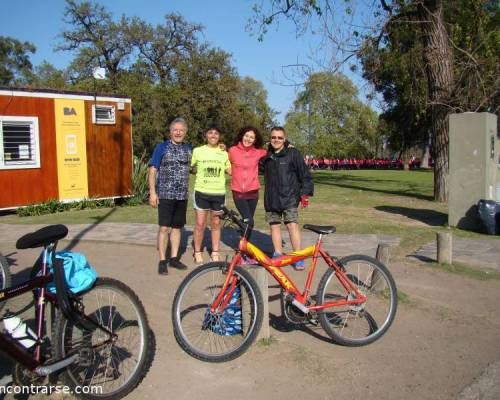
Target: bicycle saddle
[[42, 237], [321, 229]]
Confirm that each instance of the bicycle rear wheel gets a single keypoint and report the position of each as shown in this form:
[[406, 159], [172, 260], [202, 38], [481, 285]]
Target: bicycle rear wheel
[[109, 368], [200, 333], [358, 325]]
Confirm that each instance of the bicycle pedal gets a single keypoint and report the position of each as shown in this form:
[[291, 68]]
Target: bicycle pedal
[[313, 321]]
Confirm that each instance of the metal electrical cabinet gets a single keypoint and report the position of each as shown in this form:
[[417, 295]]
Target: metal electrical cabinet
[[474, 172]]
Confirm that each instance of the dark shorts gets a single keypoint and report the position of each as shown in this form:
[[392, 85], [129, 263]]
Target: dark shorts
[[208, 202], [288, 216], [172, 213]]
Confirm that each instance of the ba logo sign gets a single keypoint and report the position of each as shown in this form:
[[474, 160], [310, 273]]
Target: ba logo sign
[[69, 111]]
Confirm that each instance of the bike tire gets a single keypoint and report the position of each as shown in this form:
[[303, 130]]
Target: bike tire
[[189, 312], [123, 316], [352, 325], [5, 276]]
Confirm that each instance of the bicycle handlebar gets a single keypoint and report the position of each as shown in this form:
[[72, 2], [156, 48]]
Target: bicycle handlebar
[[233, 216]]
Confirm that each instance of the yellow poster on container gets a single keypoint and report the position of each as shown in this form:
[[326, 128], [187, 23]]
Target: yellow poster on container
[[71, 149]]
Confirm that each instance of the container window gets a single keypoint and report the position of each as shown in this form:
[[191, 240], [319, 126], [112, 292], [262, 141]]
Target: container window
[[19, 142]]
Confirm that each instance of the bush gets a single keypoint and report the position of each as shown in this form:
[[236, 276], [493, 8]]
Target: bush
[[53, 206], [140, 187]]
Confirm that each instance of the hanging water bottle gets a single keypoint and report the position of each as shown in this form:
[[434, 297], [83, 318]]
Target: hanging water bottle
[[18, 329]]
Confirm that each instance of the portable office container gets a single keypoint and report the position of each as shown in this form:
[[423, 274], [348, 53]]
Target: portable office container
[[63, 145]]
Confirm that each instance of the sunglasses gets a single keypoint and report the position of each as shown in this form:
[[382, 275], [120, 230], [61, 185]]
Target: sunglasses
[[277, 138]]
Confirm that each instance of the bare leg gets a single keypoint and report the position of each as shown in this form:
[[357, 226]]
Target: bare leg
[[199, 229], [294, 232], [162, 242], [215, 231], [276, 237], [175, 241]]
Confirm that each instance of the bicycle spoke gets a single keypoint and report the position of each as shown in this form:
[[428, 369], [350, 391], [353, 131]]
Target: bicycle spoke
[[212, 336], [112, 366], [358, 324]]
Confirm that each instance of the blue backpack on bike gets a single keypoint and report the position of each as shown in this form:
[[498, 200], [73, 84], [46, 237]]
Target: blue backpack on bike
[[230, 323], [79, 274]]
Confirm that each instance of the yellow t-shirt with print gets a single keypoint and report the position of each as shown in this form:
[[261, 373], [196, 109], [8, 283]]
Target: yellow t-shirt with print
[[211, 164]]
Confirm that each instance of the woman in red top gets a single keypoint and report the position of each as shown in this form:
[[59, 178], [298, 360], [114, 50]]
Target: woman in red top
[[244, 157]]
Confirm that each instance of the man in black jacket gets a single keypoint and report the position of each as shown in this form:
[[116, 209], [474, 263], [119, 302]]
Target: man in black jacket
[[287, 184]]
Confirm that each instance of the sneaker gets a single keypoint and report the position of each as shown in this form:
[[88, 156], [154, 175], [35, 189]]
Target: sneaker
[[163, 267], [299, 266], [176, 263], [276, 254], [252, 261], [246, 260]]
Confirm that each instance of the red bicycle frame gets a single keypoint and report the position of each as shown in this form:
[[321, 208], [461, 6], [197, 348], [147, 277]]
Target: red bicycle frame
[[273, 266], [29, 358]]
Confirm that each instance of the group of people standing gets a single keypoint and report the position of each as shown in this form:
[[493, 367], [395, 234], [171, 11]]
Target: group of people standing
[[287, 181]]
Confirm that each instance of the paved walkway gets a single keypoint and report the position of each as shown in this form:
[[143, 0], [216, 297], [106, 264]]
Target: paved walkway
[[145, 234], [484, 253]]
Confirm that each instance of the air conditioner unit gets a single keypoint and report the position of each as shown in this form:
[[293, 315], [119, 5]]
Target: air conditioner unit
[[103, 114]]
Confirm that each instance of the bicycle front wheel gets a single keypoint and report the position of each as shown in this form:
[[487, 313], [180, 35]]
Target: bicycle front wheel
[[5, 277], [108, 367], [361, 324], [202, 334]]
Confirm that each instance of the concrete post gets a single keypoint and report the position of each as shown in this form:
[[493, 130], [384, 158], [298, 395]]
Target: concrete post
[[444, 247], [382, 255], [261, 277]]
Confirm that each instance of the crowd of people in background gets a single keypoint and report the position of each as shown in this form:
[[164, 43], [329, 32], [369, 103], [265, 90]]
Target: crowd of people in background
[[362, 163]]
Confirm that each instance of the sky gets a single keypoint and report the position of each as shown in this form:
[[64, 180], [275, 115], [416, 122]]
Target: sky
[[40, 22]]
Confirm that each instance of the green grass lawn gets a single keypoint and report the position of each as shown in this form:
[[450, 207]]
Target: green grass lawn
[[397, 203]]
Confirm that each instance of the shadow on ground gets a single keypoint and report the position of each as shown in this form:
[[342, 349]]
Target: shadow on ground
[[429, 217], [230, 237], [282, 324], [81, 235]]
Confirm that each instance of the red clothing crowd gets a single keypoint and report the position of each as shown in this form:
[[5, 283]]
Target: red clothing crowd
[[362, 163], [354, 163]]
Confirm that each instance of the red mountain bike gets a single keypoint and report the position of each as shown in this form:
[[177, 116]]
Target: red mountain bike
[[218, 310]]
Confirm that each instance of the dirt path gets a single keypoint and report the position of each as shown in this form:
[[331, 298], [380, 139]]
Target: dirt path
[[444, 336]]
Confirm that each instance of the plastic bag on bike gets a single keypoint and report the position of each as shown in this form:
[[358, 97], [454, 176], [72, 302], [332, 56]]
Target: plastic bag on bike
[[230, 323]]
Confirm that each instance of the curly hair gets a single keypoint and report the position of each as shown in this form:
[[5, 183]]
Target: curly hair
[[258, 137]]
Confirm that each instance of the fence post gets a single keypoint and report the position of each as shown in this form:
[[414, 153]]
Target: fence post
[[444, 247], [261, 277]]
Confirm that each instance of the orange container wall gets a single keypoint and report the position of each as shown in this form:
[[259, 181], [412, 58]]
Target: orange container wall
[[31, 185], [109, 153]]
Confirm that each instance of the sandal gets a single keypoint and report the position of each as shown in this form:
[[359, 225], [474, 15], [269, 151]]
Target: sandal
[[214, 256], [198, 257]]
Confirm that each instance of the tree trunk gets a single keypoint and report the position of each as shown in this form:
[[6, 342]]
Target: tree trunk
[[438, 58]]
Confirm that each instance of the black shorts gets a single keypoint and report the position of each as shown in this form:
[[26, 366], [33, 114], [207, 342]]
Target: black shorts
[[172, 213], [208, 202]]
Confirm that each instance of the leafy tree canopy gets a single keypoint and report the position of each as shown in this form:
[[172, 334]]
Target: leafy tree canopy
[[329, 120], [15, 64]]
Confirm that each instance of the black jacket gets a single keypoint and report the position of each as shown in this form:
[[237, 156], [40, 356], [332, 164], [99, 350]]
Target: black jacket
[[286, 178]]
